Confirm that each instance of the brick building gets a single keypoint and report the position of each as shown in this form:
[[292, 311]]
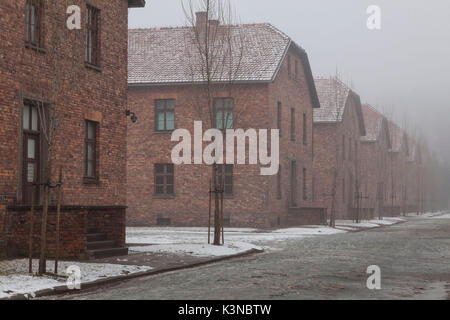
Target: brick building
[[375, 146], [338, 127], [77, 79], [273, 88]]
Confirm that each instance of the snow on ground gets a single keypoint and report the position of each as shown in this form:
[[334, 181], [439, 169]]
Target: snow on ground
[[14, 277], [350, 225], [200, 250]]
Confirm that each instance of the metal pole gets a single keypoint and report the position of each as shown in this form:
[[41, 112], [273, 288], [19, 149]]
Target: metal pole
[[58, 219], [209, 213]]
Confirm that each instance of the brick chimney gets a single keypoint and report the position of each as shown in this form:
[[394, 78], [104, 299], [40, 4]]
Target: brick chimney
[[200, 22]]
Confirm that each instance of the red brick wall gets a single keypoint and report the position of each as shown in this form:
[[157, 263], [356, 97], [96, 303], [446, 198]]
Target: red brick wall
[[74, 224], [89, 95], [82, 94], [254, 200], [326, 136]]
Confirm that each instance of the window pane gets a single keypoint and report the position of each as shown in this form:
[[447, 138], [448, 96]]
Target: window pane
[[90, 168], [159, 168], [30, 172], [170, 121], [169, 189], [26, 117], [91, 130], [219, 120], [170, 168], [170, 104], [34, 119], [160, 105], [218, 103], [228, 189], [169, 179], [160, 121], [229, 120], [159, 179], [90, 152], [228, 179], [229, 168], [159, 189], [31, 149]]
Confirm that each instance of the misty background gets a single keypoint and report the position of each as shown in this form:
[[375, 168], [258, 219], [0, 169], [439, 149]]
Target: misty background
[[402, 70]]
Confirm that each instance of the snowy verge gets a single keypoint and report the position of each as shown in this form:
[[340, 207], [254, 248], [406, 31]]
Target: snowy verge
[[14, 277], [200, 250]]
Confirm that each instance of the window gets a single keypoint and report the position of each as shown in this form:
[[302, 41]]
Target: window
[[292, 124], [33, 22], [164, 179], [279, 117], [314, 188], [227, 172], [305, 194], [343, 147], [343, 190], [279, 195], [165, 115], [30, 154], [293, 183], [92, 35], [91, 150], [289, 66], [350, 154], [223, 113], [305, 130]]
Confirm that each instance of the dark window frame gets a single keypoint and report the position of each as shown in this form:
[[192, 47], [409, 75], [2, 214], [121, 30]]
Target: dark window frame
[[165, 110], [225, 171], [279, 193], [305, 130], [93, 142], [293, 128], [305, 194], [224, 107], [93, 43], [279, 115], [34, 32], [168, 189]]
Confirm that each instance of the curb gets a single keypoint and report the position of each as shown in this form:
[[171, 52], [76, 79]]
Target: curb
[[372, 228], [97, 283]]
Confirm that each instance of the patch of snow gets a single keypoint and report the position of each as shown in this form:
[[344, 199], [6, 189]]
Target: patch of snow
[[308, 231], [199, 250], [14, 277]]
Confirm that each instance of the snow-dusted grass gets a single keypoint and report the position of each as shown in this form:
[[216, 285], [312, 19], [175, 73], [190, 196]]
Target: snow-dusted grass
[[14, 277], [193, 241], [200, 250]]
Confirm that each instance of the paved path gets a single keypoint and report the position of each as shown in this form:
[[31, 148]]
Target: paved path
[[414, 258]]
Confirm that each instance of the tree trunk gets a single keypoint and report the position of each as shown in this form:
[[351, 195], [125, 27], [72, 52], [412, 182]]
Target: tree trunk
[[43, 253]]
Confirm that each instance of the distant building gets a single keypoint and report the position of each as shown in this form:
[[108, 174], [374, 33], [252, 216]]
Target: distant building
[[338, 127]]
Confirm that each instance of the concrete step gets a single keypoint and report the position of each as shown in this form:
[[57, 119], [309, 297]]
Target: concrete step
[[91, 237], [104, 244], [105, 253]]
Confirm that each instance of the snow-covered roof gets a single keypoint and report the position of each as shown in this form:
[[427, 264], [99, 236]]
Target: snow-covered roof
[[333, 95], [164, 55], [374, 122]]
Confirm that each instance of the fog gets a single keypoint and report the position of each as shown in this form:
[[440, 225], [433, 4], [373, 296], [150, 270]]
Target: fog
[[404, 67]]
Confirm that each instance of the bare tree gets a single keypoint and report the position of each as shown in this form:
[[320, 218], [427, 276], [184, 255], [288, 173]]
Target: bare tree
[[215, 49]]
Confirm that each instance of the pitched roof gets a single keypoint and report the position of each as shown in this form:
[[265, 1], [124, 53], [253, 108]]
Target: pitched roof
[[373, 121], [163, 55], [158, 56], [333, 95]]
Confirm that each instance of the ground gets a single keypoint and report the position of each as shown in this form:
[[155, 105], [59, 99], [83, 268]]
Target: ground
[[413, 257]]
